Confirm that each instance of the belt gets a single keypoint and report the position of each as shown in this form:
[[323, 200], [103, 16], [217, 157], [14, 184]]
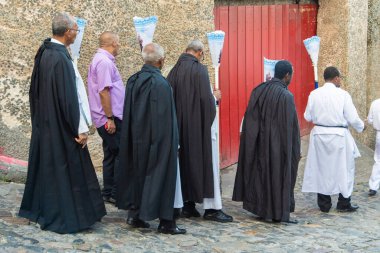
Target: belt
[[331, 126]]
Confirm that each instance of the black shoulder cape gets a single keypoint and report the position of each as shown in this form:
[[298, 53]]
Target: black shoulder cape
[[62, 192], [147, 171], [269, 153], [195, 105]]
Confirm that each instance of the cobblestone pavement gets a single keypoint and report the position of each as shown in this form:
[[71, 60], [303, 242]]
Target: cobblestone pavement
[[316, 231]]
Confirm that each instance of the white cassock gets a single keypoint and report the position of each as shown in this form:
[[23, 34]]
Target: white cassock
[[241, 125], [208, 203], [216, 202], [330, 164], [374, 120], [84, 108], [178, 201]]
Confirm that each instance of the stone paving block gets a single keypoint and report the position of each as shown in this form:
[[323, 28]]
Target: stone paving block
[[316, 231], [108, 219], [15, 220], [5, 213]]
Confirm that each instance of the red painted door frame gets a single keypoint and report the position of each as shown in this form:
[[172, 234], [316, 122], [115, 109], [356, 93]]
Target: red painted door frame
[[252, 33]]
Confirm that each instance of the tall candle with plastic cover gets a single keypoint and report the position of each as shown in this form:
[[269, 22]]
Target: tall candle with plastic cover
[[269, 69], [75, 47], [312, 45], [145, 28], [215, 44]]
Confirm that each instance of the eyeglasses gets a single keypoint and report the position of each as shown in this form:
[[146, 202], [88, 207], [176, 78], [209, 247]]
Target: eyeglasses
[[77, 30]]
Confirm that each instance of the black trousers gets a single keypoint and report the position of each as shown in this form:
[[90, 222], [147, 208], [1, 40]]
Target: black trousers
[[191, 205], [324, 202], [134, 213], [110, 160]]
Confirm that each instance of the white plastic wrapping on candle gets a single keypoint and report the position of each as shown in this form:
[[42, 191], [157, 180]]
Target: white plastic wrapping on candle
[[269, 69], [145, 28], [75, 47], [215, 44], [312, 45]]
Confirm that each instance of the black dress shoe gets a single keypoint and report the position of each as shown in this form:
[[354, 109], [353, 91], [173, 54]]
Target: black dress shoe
[[109, 199], [324, 210], [190, 212], [349, 209], [171, 230], [137, 223], [218, 216], [372, 192]]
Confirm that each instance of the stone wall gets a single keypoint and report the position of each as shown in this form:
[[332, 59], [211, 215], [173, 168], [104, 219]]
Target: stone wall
[[357, 59], [332, 28], [24, 24], [262, 2], [350, 32], [343, 26], [373, 50], [373, 56]]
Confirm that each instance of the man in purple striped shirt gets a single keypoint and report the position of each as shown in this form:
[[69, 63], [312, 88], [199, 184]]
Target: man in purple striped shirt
[[106, 98]]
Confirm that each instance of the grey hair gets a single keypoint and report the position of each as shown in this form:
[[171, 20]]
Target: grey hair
[[152, 53], [61, 22], [195, 45]]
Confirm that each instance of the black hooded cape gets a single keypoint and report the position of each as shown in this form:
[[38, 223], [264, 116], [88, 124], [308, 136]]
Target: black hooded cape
[[269, 153], [147, 171], [195, 106], [62, 192]]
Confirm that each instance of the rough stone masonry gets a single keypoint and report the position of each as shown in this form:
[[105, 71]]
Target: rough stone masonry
[[349, 30], [24, 24]]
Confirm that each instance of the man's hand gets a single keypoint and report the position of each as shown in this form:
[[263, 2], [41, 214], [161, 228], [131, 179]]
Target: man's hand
[[365, 124], [217, 94], [105, 99], [268, 77], [111, 127], [82, 139]]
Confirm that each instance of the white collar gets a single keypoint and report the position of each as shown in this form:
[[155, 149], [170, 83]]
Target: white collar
[[328, 84], [56, 41]]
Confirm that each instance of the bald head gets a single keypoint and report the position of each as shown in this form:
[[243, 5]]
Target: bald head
[[109, 41], [107, 38]]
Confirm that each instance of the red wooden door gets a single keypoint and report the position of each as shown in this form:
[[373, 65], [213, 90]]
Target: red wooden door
[[252, 33]]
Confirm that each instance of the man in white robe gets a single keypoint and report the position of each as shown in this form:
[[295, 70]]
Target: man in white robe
[[330, 164], [374, 120]]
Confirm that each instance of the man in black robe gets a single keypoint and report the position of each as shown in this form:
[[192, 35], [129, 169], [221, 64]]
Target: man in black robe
[[196, 109], [269, 149], [147, 171], [62, 192]]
